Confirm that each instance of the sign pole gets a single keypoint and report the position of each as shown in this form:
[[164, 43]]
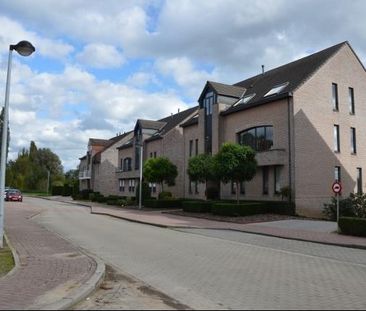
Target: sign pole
[[337, 212]]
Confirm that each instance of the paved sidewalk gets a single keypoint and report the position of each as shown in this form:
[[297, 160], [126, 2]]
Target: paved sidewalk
[[50, 273], [304, 230]]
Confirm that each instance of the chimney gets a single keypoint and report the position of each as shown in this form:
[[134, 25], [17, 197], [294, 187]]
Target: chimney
[[262, 69]]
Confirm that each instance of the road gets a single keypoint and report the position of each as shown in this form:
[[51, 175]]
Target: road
[[214, 269]]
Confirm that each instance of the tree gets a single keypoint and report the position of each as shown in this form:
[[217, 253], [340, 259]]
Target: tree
[[30, 170], [160, 170], [201, 168], [235, 163]]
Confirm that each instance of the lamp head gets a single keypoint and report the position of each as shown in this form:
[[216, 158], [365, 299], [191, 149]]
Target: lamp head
[[24, 48]]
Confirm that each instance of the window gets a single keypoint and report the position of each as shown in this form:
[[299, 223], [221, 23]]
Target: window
[[277, 185], [137, 157], [152, 187], [131, 185], [337, 147], [351, 101], [189, 186], [154, 154], [233, 187], [359, 180], [190, 148], [151, 154], [121, 185], [259, 138], [196, 187], [337, 173], [196, 147], [265, 179], [244, 99], [127, 164], [242, 187], [208, 102], [121, 164], [335, 96], [353, 140], [276, 89]]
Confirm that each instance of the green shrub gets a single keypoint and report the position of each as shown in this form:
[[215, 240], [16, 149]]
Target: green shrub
[[197, 206], [212, 193], [165, 195], [279, 207], [167, 203], [101, 199], [353, 206], [67, 190], [145, 194], [353, 226], [232, 209], [85, 194], [57, 190]]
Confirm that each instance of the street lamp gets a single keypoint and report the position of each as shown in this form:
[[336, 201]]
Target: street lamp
[[24, 48]]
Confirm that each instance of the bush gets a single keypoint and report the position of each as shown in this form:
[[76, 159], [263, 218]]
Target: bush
[[85, 194], [165, 195], [348, 207], [353, 226], [57, 190], [197, 206], [212, 193], [246, 208], [145, 194], [232, 209], [166, 203], [67, 190]]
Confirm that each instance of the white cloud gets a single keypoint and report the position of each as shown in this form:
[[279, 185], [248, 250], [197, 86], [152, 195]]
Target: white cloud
[[101, 56]]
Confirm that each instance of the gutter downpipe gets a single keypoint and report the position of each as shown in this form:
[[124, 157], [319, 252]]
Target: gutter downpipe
[[289, 115]]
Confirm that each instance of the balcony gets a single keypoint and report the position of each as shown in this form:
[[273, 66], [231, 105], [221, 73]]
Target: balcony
[[85, 174], [271, 157]]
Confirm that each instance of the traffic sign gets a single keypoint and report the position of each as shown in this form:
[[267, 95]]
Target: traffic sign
[[337, 187]]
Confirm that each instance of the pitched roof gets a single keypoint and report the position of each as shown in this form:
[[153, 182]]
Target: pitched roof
[[294, 74], [109, 143], [191, 121], [150, 124], [172, 121], [98, 142]]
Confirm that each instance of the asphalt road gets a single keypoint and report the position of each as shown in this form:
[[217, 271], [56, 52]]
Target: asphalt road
[[214, 269]]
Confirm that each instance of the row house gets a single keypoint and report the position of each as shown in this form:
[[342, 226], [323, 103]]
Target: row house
[[306, 121]]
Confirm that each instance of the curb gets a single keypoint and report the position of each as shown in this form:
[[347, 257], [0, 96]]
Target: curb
[[76, 296], [81, 293]]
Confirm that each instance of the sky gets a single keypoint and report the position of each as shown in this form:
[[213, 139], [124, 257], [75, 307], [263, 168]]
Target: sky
[[101, 65]]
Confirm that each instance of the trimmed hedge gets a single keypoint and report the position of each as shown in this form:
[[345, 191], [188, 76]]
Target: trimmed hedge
[[57, 190], [353, 226], [253, 208], [171, 203], [232, 209], [197, 206]]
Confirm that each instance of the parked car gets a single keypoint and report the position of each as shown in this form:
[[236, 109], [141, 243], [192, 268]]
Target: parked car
[[13, 195]]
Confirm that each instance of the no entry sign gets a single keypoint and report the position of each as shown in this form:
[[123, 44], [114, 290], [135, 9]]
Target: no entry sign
[[337, 187]]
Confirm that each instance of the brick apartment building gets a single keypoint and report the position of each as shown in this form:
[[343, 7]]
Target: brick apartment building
[[305, 119]]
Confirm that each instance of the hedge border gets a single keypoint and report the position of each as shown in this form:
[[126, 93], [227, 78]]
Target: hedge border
[[352, 226]]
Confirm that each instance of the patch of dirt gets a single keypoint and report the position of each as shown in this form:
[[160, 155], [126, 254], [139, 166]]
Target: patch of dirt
[[123, 292], [237, 219]]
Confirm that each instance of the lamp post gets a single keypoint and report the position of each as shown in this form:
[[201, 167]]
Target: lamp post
[[24, 48]]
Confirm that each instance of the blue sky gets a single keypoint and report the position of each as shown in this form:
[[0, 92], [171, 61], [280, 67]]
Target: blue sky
[[100, 65]]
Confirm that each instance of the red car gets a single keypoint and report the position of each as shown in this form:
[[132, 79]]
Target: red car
[[14, 195]]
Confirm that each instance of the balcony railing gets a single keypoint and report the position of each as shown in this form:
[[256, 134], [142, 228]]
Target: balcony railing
[[271, 157], [85, 174]]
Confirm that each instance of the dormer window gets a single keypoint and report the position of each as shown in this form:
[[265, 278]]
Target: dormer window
[[276, 90], [244, 99]]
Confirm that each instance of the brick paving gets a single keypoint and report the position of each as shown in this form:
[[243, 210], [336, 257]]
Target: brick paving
[[49, 268], [160, 218]]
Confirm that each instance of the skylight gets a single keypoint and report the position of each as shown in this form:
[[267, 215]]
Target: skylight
[[277, 89], [244, 99]]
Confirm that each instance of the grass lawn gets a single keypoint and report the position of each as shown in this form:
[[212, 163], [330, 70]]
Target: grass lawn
[[6, 260]]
